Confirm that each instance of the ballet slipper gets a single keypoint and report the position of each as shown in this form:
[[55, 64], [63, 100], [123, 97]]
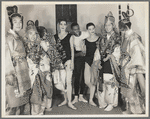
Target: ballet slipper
[[92, 103], [71, 106], [108, 108], [81, 99], [75, 100], [104, 106], [63, 103]]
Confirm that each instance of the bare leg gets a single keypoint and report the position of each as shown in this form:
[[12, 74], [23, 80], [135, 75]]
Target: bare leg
[[65, 100], [88, 76], [69, 85]]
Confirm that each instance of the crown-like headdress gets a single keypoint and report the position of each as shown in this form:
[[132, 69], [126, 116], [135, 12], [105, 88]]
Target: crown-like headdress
[[110, 17], [13, 10], [127, 16]]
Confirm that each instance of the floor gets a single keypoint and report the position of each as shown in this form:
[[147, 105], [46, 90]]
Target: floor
[[82, 108]]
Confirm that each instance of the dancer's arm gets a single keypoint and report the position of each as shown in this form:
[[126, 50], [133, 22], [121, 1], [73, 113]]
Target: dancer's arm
[[72, 52]]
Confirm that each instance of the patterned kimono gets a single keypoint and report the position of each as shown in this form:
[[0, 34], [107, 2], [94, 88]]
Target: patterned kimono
[[60, 73], [50, 47], [40, 75], [108, 84], [132, 65], [16, 73]]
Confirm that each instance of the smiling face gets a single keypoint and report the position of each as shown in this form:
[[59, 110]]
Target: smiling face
[[32, 35], [109, 26], [76, 29], [91, 29], [63, 25], [17, 23]]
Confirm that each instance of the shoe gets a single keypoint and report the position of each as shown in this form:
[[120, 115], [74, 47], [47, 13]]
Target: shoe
[[108, 108], [81, 99], [75, 100], [63, 103], [72, 106], [92, 103], [103, 106]]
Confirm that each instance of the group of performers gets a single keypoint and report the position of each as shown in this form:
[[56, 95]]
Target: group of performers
[[36, 62]]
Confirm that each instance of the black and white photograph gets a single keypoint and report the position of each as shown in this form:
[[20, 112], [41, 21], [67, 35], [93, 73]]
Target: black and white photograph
[[74, 59]]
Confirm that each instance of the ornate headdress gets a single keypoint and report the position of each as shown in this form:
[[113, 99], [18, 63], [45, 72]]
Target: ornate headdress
[[31, 26], [12, 11], [126, 19], [110, 17], [126, 16]]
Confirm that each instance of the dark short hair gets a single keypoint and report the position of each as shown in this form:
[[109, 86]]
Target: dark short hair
[[74, 24], [89, 24], [63, 19]]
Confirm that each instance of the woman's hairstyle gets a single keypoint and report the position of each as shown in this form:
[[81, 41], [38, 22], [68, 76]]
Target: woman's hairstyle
[[40, 29], [30, 25], [63, 19], [74, 24], [89, 24], [110, 18], [12, 12], [124, 23]]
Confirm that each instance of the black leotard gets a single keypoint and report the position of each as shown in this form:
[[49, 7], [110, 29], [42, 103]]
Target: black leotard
[[90, 50]]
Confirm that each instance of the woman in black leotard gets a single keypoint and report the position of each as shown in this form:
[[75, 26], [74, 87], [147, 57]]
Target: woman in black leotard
[[64, 44], [90, 43]]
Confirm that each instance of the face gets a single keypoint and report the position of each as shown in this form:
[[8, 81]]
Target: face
[[63, 25], [76, 29], [109, 27], [17, 23], [91, 30], [32, 35]]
